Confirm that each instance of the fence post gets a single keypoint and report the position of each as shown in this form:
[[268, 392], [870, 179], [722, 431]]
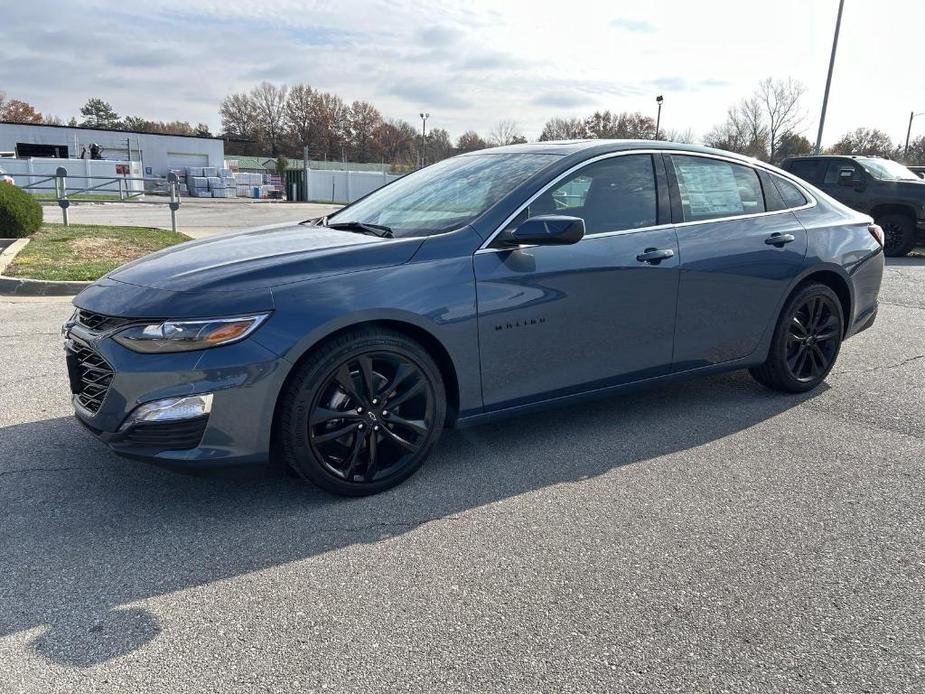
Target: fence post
[[61, 191], [173, 183], [121, 189]]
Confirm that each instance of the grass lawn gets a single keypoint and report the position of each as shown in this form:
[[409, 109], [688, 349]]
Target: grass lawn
[[86, 251]]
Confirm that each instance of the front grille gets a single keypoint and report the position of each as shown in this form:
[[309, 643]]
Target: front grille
[[99, 323], [167, 436], [92, 377]]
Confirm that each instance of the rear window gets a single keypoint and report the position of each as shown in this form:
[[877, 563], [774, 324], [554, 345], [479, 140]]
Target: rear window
[[807, 169], [711, 188], [791, 195]]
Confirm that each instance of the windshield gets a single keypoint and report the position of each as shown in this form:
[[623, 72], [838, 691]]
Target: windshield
[[444, 196], [886, 170]]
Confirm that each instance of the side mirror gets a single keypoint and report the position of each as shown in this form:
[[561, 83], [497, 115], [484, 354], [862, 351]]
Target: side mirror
[[546, 230]]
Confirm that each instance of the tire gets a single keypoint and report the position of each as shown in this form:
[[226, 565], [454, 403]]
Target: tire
[[899, 234], [806, 341], [334, 426]]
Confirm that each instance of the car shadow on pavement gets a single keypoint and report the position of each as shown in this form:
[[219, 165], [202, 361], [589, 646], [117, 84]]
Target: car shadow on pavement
[[86, 534]]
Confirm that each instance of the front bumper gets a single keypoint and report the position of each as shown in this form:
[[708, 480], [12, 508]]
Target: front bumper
[[244, 378]]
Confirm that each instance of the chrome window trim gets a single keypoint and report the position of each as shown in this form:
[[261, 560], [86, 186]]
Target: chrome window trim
[[485, 247]]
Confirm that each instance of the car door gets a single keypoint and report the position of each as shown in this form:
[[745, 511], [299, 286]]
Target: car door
[[845, 181], [560, 319], [737, 259]]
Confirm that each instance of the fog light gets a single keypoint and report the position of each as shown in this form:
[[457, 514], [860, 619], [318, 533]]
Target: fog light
[[171, 409]]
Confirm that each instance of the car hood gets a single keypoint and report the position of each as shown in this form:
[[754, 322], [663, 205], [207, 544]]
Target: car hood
[[263, 258]]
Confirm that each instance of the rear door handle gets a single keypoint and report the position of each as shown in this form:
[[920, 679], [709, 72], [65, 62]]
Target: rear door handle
[[654, 256], [778, 239]]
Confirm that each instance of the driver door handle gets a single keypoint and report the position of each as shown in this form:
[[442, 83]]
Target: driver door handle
[[654, 256], [778, 239]]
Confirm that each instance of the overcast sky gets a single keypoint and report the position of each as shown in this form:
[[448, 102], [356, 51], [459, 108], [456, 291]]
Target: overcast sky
[[470, 63]]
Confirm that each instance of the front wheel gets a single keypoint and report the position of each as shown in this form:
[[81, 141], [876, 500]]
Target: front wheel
[[806, 341], [363, 413]]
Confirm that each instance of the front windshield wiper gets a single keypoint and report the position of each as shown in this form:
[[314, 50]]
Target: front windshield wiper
[[380, 230]]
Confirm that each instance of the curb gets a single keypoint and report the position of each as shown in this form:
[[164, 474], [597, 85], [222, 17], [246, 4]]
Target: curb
[[10, 252], [21, 286]]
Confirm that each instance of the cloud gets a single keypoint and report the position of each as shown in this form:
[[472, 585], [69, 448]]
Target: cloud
[[427, 94], [635, 25], [561, 100]]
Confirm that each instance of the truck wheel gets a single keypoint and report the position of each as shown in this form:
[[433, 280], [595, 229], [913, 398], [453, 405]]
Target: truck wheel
[[898, 232]]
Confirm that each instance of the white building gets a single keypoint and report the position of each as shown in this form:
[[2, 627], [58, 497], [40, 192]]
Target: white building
[[155, 153]]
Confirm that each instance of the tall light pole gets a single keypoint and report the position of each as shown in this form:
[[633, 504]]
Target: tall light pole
[[424, 117], [658, 119], [828, 79], [912, 116]]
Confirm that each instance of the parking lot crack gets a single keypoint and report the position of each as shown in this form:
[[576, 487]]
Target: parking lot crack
[[884, 367]]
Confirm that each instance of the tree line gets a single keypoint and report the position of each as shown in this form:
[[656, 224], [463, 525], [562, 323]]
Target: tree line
[[280, 120]]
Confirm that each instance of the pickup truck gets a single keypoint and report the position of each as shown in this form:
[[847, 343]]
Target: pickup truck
[[886, 190]]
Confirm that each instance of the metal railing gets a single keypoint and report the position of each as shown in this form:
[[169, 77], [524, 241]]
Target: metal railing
[[121, 185]]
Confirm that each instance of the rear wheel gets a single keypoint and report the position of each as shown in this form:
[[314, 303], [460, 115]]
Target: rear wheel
[[363, 413], [898, 234], [806, 341]]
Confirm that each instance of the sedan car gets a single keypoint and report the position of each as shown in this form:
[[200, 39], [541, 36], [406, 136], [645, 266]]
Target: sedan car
[[486, 285]]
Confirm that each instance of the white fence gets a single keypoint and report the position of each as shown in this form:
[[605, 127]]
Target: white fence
[[344, 186], [31, 171]]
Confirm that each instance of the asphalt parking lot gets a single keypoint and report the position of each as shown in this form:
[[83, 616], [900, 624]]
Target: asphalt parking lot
[[708, 536], [196, 217]]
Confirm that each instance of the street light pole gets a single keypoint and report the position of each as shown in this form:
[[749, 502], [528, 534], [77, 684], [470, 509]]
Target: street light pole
[[828, 79], [912, 116], [424, 117], [658, 119]]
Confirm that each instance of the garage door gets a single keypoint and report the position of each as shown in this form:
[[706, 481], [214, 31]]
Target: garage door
[[180, 160]]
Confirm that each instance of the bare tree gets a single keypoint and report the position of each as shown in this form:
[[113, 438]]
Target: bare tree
[[470, 141], [780, 100], [505, 132], [239, 116], [564, 129], [439, 145], [686, 136], [270, 106], [867, 141], [362, 119], [302, 117]]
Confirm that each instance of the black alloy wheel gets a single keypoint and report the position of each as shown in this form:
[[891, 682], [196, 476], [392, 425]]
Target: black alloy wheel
[[362, 413], [371, 417], [806, 340], [813, 338], [898, 234]]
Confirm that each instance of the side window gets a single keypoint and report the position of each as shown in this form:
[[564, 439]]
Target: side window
[[836, 167], [807, 169], [610, 195], [711, 188], [792, 195]]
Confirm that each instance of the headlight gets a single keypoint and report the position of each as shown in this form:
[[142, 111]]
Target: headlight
[[187, 335]]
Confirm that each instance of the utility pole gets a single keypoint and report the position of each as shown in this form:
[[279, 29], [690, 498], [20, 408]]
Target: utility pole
[[828, 79], [912, 116], [658, 120], [424, 117]]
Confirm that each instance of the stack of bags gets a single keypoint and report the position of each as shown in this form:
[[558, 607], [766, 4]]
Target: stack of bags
[[246, 182], [197, 185]]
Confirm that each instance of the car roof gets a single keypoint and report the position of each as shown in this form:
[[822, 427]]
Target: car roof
[[591, 147], [832, 156]]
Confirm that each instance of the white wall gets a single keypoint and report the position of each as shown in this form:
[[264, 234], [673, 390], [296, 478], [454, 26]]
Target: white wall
[[33, 171], [344, 186], [154, 150]]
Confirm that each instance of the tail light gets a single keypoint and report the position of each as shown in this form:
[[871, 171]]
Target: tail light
[[876, 232]]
